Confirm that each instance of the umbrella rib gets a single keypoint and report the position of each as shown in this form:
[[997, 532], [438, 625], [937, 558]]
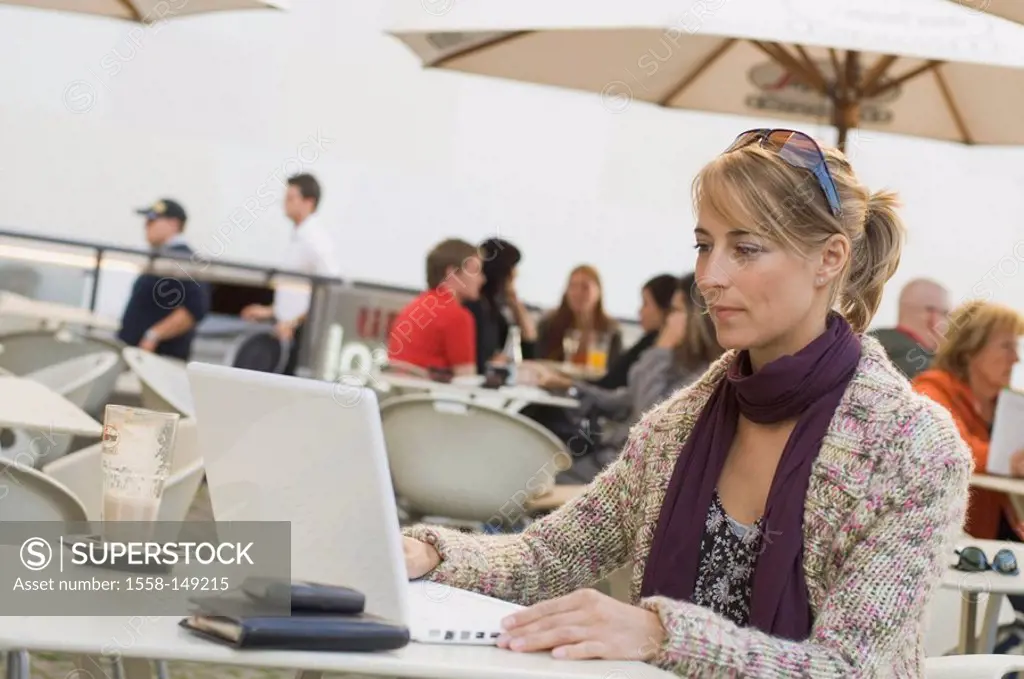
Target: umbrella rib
[[810, 65], [879, 88], [790, 63], [697, 72], [954, 111], [479, 47], [130, 6], [877, 72], [840, 73]]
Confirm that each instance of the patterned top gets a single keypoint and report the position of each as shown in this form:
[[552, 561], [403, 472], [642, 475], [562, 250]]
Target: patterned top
[[886, 500], [728, 554]]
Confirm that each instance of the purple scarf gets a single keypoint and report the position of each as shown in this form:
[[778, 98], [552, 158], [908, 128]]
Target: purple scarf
[[806, 386]]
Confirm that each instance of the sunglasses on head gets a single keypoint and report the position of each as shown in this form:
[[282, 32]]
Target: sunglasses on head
[[973, 560], [797, 150]]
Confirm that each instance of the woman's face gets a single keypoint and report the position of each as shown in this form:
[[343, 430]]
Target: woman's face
[[583, 293], [994, 362], [762, 296], [651, 315]]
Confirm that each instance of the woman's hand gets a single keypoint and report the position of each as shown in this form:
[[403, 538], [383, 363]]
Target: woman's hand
[[420, 558], [1017, 463], [674, 330], [583, 625], [544, 376]]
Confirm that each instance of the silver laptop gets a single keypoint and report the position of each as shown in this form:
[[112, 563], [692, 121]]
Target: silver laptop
[[280, 448]]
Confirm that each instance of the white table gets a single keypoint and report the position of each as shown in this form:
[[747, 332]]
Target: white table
[[974, 586], [50, 312], [165, 377], [160, 638], [1002, 484], [512, 398], [26, 404]]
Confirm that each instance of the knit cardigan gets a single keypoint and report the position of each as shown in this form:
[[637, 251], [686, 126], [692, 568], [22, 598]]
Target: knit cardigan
[[887, 498]]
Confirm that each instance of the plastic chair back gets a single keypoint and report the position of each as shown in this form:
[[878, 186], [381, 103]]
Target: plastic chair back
[[164, 381], [467, 461], [76, 378], [29, 495], [260, 350]]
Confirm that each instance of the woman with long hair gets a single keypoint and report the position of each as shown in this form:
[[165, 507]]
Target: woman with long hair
[[655, 306], [683, 349], [499, 306], [791, 511], [581, 312]]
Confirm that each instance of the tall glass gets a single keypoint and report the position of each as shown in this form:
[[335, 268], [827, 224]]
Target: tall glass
[[571, 345], [137, 449], [597, 353]]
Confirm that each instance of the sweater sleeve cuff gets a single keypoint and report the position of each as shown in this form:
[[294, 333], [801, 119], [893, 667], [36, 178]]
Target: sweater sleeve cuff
[[462, 561], [686, 631]]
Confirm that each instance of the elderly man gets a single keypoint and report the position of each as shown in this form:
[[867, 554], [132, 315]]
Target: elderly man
[[923, 308]]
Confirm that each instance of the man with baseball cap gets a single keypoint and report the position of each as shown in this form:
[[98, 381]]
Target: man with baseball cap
[[163, 311]]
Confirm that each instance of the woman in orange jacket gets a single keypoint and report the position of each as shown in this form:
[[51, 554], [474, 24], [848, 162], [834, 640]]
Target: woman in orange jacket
[[972, 365]]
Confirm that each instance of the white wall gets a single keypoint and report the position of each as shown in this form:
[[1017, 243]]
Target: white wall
[[100, 117]]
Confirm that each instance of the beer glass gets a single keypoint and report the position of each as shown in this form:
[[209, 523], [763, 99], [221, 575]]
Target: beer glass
[[137, 448]]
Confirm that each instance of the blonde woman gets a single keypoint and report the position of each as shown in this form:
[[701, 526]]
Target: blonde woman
[[790, 512]]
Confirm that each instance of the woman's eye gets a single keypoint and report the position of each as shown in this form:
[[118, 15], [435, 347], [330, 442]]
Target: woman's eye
[[746, 250], [702, 247]]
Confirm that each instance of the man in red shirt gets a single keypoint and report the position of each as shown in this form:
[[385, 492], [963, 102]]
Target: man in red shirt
[[435, 330]]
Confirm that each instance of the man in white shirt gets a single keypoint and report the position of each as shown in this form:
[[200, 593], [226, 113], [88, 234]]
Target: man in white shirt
[[310, 251]]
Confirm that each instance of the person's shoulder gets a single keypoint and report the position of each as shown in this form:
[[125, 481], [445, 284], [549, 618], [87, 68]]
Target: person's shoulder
[[670, 421]]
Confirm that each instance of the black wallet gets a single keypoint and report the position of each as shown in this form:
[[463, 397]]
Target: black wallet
[[352, 633], [305, 596]]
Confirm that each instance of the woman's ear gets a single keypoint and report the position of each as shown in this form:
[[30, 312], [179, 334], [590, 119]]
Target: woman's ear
[[834, 256]]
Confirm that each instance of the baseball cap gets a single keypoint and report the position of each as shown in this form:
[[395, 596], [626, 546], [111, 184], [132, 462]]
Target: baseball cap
[[165, 207]]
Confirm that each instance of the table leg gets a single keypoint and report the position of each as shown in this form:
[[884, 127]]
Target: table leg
[[17, 665], [990, 625], [968, 623], [92, 667]]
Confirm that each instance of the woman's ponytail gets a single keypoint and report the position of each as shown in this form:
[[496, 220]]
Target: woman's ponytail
[[874, 260]]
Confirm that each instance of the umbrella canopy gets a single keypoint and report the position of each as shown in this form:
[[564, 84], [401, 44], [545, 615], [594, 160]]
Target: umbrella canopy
[[1012, 10], [147, 11], [669, 65]]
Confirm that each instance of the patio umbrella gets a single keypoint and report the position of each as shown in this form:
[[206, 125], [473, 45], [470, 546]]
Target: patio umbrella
[[819, 73], [147, 11], [1013, 10]]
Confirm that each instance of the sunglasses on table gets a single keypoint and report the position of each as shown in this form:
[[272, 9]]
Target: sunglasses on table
[[973, 560], [797, 150]]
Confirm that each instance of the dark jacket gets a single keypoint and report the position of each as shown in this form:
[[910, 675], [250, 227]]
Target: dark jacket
[[491, 332], [154, 298], [904, 351], [618, 370]]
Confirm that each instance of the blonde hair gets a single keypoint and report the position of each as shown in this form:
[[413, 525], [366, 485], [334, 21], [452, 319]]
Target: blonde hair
[[755, 189], [970, 327]]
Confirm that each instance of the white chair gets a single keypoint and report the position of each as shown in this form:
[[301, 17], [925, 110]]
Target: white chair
[[28, 352], [82, 473], [164, 381], [32, 496], [467, 461], [76, 378], [972, 666]]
